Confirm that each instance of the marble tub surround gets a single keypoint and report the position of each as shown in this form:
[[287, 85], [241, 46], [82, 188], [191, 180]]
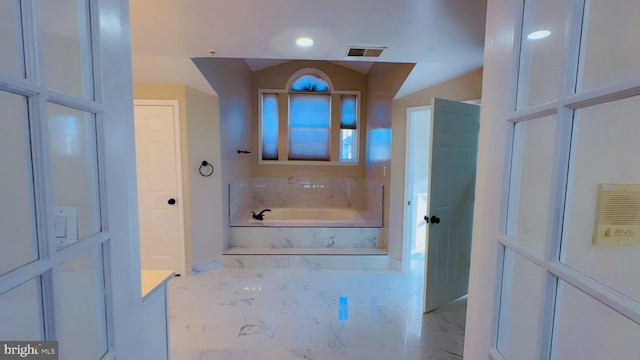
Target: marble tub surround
[[258, 193], [336, 259], [287, 314], [303, 237]]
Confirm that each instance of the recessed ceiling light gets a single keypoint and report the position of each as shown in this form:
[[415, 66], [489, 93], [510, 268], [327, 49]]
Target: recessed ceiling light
[[304, 41], [540, 34]]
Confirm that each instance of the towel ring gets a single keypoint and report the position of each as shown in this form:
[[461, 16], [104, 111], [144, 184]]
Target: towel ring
[[206, 169]]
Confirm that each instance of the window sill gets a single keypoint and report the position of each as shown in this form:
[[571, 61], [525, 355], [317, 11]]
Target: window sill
[[305, 163]]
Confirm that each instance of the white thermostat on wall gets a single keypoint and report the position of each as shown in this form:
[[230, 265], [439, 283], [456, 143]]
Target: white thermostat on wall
[[617, 215]]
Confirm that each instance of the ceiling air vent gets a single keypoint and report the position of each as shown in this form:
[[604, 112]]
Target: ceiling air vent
[[365, 52]]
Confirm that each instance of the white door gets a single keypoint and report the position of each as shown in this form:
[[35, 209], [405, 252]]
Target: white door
[[454, 144], [160, 200], [69, 254]]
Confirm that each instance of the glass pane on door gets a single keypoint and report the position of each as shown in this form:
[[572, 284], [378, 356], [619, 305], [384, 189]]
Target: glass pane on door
[[520, 308], [17, 209], [587, 329], [11, 62], [529, 212], [83, 325], [74, 165], [21, 313], [66, 43], [542, 60], [612, 50], [605, 152]]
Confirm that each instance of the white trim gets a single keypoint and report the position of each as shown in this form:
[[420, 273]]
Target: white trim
[[309, 71], [497, 290], [495, 354], [406, 209], [473, 102], [358, 132], [307, 163], [622, 304], [177, 121], [610, 298], [397, 265], [259, 134]]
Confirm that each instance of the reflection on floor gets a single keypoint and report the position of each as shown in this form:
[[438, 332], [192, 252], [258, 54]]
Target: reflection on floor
[[294, 313]]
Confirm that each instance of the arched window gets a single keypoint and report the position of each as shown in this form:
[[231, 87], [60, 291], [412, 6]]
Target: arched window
[[296, 123]]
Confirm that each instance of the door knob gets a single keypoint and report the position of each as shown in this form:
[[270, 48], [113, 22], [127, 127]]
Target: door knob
[[435, 219], [171, 201]]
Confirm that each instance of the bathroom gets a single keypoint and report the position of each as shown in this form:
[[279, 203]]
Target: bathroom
[[211, 217]]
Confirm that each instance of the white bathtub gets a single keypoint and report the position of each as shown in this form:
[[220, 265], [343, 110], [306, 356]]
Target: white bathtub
[[309, 217]]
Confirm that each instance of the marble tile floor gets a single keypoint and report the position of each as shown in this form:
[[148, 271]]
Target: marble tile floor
[[297, 313]]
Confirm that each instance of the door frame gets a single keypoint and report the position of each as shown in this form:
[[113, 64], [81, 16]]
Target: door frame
[[406, 253], [179, 183], [406, 213]]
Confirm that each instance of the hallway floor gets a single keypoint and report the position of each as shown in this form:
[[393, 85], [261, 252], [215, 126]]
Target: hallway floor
[[293, 313]]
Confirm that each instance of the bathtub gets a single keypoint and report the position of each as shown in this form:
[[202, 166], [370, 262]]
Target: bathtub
[[312, 217]]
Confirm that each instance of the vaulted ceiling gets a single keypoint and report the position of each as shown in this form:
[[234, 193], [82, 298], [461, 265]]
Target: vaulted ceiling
[[445, 38]]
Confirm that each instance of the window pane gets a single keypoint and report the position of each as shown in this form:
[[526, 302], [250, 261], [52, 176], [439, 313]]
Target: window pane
[[269, 127], [586, 329], [520, 308], [72, 140], [17, 208], [309, 144], [21, 313], [530, 202], [604, 152], [310, 83], [348, 112], [10, 37], [309, 124], [66, 42], [611, 49], [347, 145], [309, 111], [542, 59], [83, 330]]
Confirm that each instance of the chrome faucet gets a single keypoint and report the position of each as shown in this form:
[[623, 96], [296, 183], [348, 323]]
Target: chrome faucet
[[259, 216]]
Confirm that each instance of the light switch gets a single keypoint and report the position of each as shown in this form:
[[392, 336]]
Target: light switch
[[61, 226], [65, 225]]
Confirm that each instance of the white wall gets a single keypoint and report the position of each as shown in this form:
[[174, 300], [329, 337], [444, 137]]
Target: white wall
[[231, 80], [200, 140], [206, 210], [384, 80]]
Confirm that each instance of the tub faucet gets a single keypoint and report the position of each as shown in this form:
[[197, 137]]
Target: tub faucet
[[259, 216]]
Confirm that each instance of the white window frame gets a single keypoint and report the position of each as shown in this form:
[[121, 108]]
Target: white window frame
[[332, 91]]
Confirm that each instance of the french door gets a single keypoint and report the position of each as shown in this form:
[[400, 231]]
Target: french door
[[68, 248], [563, 293]]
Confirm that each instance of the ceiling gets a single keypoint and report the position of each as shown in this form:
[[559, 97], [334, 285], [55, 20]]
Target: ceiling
[[445, 38]]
